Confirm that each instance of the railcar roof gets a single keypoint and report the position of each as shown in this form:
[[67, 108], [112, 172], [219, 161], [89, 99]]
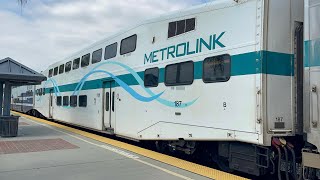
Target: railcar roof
[[209, 6]]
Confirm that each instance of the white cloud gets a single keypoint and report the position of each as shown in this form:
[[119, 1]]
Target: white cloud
[[47, 31]]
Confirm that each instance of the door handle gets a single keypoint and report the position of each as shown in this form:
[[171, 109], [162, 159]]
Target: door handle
[[315, 111]]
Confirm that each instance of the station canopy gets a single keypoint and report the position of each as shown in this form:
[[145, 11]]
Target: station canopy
[[18, 74]]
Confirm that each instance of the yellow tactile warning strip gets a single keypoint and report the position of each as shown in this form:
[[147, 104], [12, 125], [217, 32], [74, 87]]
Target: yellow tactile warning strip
[[179, 163]]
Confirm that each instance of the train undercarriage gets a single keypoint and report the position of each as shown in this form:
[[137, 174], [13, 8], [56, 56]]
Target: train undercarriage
[[283, 159]]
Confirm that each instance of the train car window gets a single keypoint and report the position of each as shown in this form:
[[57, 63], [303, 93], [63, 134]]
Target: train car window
[[190, 24], [61, 69], [96, 56], [179, 74], [55, 71], [50, 73], [59, 99], [83, 101], [65, 100], [85, 60], [76, 63], [217, 69], [44, 91], [40, 91], [172, 29], [179, 27], [68, 66], [73, 101], [151, 77], [128, 44], [111, 51]]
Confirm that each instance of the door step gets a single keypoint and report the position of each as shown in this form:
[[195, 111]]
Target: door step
[[110, 130]]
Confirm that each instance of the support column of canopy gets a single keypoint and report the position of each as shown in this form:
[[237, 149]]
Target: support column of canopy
[[1, 97], [7, 99]]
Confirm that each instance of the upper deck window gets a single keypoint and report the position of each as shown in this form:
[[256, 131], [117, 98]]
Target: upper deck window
[[96, 56], [55, 71], [110, 51], [76, 63], [128, 44], [179, 27], [68, 66], [85, 60], [61, 69], [50, 73]]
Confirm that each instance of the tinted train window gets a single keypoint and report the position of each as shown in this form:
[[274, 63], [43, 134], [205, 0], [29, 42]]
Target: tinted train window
[[61, 69], [83, 101], [151, 77], [96, 56], [128, 44], [172, 29], [190, 24], [55, 71], [179, 27], [76, 63], [68, 66], [73, 101], [179, 74], [85, 60], [59, 100], [50, 73], [65, 100], [110, 51], [44, 91], [217, 69]]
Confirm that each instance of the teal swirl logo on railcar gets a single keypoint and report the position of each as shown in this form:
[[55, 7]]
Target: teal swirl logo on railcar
[[122, 84]]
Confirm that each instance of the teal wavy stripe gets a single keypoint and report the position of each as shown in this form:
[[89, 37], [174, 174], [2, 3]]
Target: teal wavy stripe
[[122, 84]]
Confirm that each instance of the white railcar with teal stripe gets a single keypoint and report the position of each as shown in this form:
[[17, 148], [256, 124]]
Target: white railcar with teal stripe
[[222, 78], [311, 157]]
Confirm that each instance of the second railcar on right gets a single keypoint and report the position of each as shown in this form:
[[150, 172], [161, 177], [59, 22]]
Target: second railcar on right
[[310, 155]]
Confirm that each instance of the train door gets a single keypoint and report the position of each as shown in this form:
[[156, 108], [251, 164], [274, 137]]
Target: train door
[[51, 104], [109, 106]]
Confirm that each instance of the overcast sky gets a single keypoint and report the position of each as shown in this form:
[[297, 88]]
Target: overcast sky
[[46, 31]]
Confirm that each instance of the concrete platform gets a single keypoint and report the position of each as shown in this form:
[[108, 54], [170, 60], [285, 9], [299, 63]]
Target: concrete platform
[[43, 151]]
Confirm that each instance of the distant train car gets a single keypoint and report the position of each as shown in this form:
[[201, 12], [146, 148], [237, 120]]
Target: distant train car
[[23, 98], [226, 76]]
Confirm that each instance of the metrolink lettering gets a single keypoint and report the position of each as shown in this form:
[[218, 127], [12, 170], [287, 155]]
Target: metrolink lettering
[[186, 48]]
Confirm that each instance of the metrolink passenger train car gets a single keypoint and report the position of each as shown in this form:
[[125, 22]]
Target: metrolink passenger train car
[[225, 77], [311, 157]]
